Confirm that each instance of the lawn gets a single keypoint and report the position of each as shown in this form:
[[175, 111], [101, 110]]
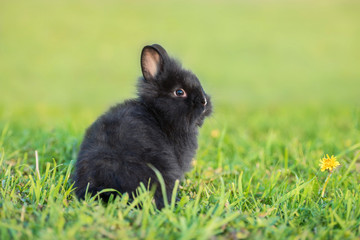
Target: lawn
[[284, 77]]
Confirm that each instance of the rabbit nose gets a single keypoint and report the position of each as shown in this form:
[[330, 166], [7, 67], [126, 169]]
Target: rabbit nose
[[204, 101]]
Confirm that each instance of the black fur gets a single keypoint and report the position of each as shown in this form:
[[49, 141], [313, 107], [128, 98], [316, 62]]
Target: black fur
[[157, 128]]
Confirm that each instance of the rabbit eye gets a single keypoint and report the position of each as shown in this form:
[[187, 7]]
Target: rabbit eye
[[180, 93]]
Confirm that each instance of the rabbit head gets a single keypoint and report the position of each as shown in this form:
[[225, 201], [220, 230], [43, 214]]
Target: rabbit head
[[173, 93]]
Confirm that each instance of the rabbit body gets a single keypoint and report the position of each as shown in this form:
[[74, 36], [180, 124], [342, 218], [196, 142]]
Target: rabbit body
[[159, 128]]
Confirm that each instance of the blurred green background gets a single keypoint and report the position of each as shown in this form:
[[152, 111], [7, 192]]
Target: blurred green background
[[61, 57], [284, 77]]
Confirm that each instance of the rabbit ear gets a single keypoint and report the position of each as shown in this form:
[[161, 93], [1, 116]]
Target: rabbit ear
[[152, 61]]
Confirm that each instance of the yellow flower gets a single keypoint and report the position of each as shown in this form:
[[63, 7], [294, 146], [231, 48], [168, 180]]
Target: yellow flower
[[328, 163], [215, 133]]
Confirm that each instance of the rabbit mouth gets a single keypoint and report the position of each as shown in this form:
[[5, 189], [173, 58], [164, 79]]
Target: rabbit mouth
[[207, 110], [204, 110]]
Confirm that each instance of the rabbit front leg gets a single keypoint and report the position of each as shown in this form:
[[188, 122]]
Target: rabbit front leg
[[160, 198]]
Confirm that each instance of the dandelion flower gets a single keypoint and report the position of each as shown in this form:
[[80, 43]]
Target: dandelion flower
[[215, 133], [328, 163]]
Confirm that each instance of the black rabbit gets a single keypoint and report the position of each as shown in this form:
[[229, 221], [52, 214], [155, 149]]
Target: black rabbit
[[158, 128]]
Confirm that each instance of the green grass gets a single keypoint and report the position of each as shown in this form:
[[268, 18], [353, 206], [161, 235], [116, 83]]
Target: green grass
[[284, 77]]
